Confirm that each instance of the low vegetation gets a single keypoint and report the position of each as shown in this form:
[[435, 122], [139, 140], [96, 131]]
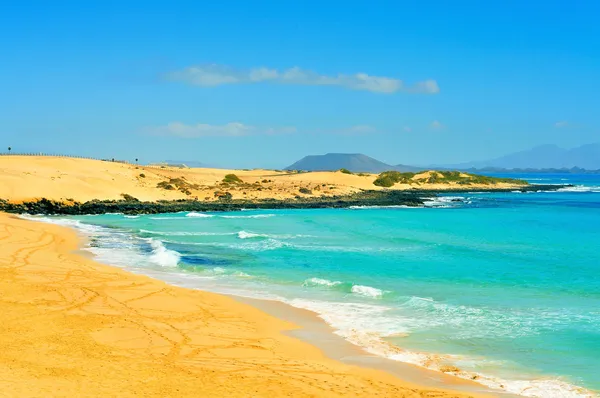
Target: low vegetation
[[179, 184], [165, 185], [345, 171], [390, 178], [305, 191], [232, 179]]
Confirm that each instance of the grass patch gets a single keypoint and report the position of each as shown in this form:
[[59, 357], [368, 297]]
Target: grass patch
[[345, 171]]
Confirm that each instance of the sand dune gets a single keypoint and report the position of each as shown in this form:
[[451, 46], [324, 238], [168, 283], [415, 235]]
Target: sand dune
[[72, 327], [30, 177]]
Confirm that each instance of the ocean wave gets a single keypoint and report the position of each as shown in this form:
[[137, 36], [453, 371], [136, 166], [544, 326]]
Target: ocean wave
[[127, 216], [579, 188], [223, 271], [194, 214], [250, 235], [445, 201], [199, 215], [367, 291], [163, 256], [183, 233], [360, 290], [320, 282], [380, 207], [251, 216], [86, 228]]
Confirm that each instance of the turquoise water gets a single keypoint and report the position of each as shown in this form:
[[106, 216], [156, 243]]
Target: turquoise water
[[503, 286]]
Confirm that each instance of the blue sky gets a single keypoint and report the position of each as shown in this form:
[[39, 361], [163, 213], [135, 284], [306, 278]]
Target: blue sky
[[263, 83]]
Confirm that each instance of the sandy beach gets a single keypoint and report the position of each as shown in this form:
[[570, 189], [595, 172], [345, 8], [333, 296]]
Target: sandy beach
[[73, 327]]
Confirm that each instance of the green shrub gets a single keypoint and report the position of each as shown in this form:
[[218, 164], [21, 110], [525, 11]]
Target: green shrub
[[165, 185], [232, 179], [345, 171], [142, 175], [305, 191], [389, 178]]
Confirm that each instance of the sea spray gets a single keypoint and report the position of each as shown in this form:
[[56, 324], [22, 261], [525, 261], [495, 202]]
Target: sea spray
[[163, 256]]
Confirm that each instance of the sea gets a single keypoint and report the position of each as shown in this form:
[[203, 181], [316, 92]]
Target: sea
[[503, 286]]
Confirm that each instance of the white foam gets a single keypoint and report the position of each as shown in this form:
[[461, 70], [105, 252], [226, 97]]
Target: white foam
[[199, 215], [182, 233], [365, 326], [252, 216], [367, 291], [380, 207], [249, 235], [163, 256], [320, 282], [579, 188], [126, 216], [444, 201]]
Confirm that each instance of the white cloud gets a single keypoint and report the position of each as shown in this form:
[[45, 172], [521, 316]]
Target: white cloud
[[436, 125], [561, 124], [235, 129], [216, 75]]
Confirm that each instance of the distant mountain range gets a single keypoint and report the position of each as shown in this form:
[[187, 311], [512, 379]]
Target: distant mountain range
[[542, 157], [354, 162]]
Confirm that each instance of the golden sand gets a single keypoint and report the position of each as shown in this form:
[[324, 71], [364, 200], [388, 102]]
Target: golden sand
[[31, 177], [73, 327]]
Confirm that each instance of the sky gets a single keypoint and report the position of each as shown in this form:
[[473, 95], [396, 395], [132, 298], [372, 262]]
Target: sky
[[263, 83]]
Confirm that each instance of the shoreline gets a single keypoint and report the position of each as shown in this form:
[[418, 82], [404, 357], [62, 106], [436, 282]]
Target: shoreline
[[141, 336], [366, 198], [315, 331]]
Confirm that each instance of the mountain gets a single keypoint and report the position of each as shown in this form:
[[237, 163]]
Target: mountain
[[543, 157], [354, 162]]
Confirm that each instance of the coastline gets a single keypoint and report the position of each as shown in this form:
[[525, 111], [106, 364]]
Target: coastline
[[106, 330], [382, 198]]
